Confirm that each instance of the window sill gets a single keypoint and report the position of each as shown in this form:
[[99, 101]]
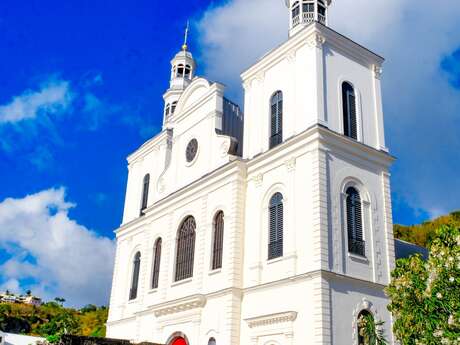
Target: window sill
[[133, 301], [182, 282], [214, 272], [152, 291], [275, 260], [358, 257]]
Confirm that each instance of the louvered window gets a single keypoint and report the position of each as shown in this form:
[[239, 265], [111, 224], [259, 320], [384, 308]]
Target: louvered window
[[135, 278], [356, 244], [218, 243], [185, 249], [276, 119], [350, 122], [156, 263], [276, 210], [145, 193]]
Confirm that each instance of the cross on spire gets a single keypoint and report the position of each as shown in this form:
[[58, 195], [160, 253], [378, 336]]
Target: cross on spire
[[184, 47]]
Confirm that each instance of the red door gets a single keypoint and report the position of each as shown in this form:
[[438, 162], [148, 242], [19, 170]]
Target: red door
[[179, 341]]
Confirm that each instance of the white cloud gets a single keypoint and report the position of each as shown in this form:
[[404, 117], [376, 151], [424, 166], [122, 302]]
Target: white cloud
[[53, 97], [60, 257], [421, 108]]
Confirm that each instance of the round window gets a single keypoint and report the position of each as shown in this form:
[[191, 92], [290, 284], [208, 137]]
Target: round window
[[192, 149]]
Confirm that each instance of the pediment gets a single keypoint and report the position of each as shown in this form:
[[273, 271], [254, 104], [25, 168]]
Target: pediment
[[193, 93]]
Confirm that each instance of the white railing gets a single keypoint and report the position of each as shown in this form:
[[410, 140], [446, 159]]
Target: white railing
[[308, 17], [296, 21], [322, 19]]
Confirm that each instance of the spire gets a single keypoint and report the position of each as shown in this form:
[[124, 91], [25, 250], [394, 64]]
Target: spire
[[184, 46]]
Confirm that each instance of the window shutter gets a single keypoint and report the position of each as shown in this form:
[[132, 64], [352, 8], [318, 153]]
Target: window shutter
[[352, 116], [276, 220], [145, 193], [276, 119], [156, 264], [356, 242], [135, 281], [185, 249], [218, 241]]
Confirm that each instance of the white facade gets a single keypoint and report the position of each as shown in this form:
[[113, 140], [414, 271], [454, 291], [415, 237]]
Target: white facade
[[18, 339], [315, 290]]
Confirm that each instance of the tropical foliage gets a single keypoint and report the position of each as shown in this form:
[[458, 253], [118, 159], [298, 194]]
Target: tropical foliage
[[371, 332], [423, 234], [52, 320], [425, 295]]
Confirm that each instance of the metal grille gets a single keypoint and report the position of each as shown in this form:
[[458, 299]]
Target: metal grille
[[135, 280], [218, 244], [145, 193], [156, 263], [185, 249], [356, 244], [276, 214], [350, 122], [276, 126]]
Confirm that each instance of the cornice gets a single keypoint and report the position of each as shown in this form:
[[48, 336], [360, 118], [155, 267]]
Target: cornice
[[267, 320], [314, 35], [189, 303], [148, 146]]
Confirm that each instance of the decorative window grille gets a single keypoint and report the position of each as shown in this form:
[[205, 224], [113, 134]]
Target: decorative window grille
[[276, 126], [276, 215], [350, 122], [145, 193], [356, 244], [135, 280], [218, 242], [156, 263], [185, 249]]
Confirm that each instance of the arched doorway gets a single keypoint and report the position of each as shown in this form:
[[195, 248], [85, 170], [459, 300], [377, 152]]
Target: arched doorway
[[179, 341]]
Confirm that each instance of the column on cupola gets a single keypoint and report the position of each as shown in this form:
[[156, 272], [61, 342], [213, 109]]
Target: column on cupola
[[183, 69], [305, 12]]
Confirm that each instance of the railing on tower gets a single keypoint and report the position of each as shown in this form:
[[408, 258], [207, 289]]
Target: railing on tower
[[296, 20], [322, 19], [308, 17]]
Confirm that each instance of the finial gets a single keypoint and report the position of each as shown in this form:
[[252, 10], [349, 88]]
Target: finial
[[184, 47]]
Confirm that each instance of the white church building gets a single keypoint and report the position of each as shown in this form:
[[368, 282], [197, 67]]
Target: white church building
[[272, 228]]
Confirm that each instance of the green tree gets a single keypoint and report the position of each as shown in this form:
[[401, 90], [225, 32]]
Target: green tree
[[370, 331], [425, 296]]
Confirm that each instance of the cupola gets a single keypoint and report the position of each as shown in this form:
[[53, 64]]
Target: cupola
[[305, 12]]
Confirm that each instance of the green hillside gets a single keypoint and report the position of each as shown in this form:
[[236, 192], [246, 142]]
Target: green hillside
[[52, 320], [422, 234]]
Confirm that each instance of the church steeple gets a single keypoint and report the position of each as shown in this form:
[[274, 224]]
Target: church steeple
[[304, 12], [183, 69]]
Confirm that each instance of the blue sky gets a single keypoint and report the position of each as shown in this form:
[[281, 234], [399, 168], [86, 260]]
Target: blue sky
[[93, 76]]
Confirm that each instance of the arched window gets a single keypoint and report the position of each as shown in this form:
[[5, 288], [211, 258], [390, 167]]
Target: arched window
[[156, 263], [135, 278], [185, 249], [180, 71], [350, 121], [212, 341], [275, 240], [363, 318], [173, 107], [145, 193], [276, 125], [356, 244], [218, 241], [187, 71]]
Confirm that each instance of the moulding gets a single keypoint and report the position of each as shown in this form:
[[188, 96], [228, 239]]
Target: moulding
[[193, 302], [271, 319]]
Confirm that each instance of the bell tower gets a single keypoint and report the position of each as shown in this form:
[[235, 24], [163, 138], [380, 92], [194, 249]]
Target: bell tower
[[183, 69], [304, 12]]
